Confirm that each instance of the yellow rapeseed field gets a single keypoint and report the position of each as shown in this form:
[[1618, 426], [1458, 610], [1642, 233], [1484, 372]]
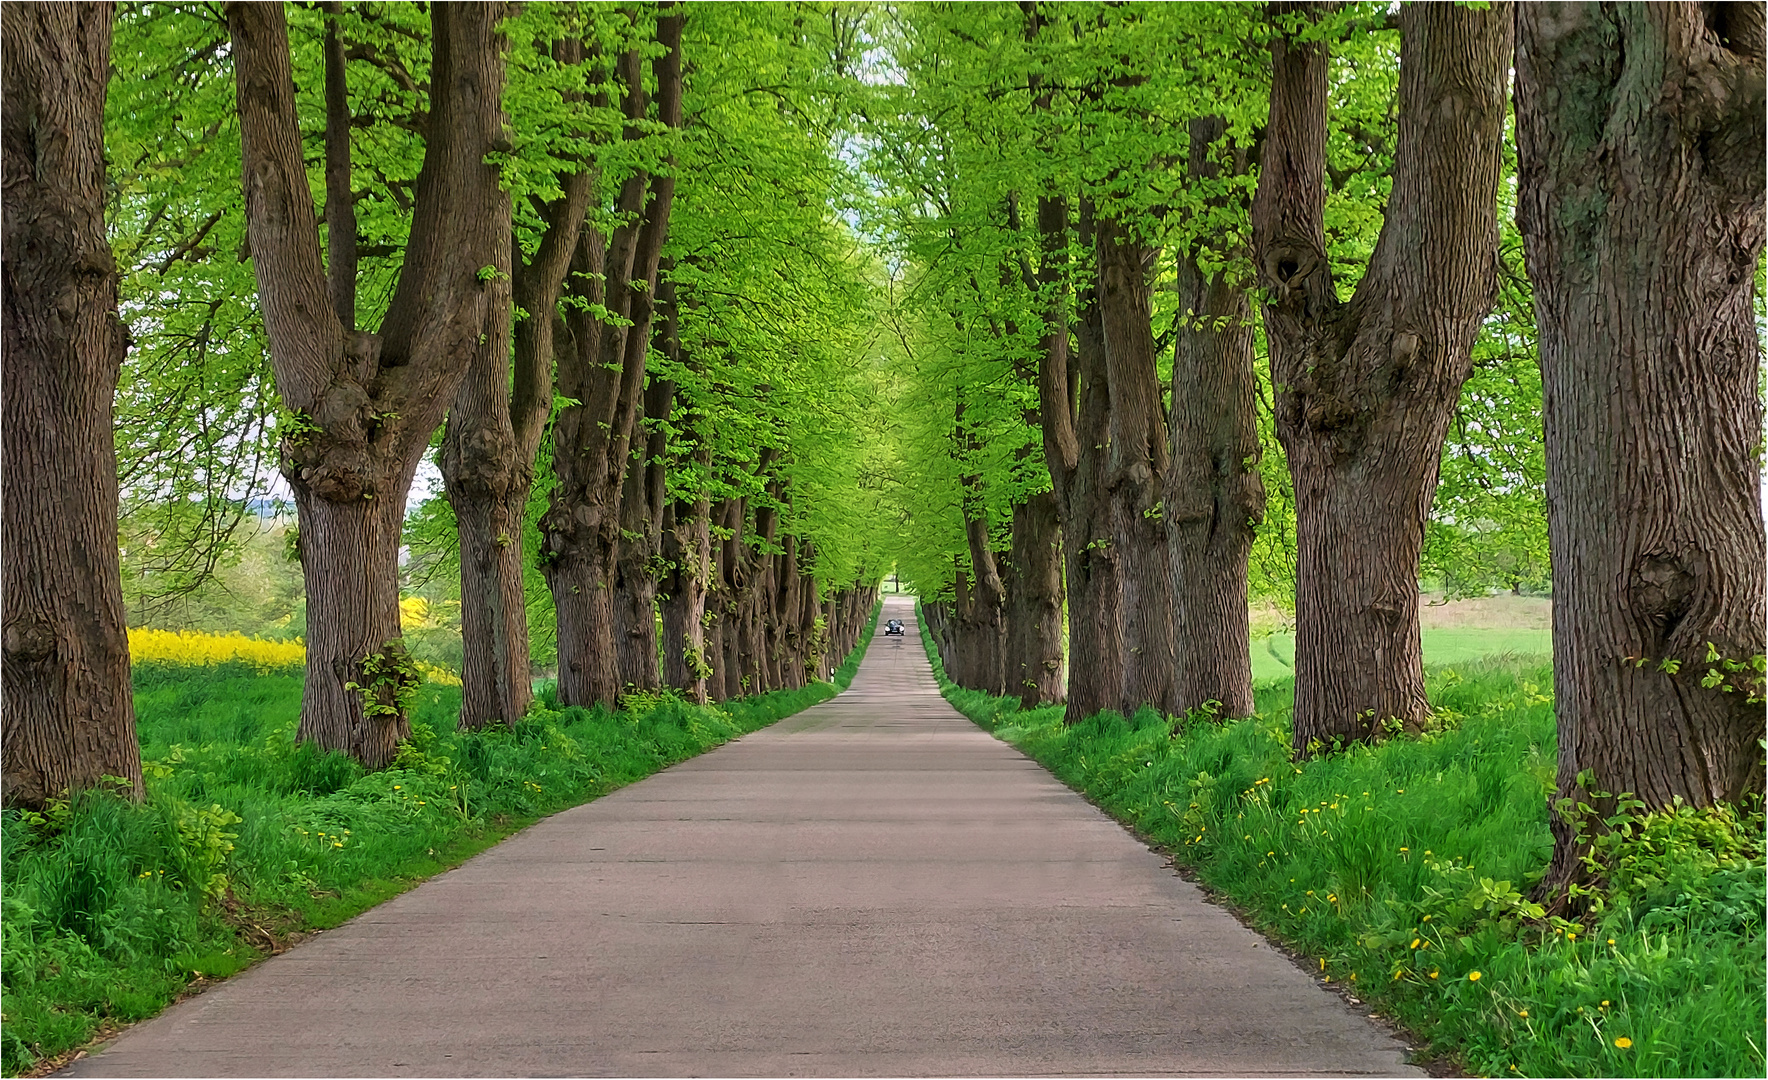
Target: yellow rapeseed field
[[194, 649]]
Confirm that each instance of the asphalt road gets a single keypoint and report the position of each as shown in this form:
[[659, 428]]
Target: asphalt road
[[871, 887]]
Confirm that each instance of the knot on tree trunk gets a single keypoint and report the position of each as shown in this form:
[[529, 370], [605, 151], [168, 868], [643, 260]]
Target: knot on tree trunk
[[29, 638]]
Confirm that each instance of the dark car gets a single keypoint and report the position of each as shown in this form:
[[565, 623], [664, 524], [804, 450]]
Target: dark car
[[893, 628]]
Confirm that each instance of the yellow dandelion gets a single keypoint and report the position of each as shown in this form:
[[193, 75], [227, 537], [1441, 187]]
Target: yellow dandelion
[[1623, 1042], [1605, 1004], [1415, 942], [1433, 974], [1473, 976], [1611, 941], [1524, 1014]]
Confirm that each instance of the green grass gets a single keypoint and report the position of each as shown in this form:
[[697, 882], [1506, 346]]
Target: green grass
[[111, 909], [1273, 656], [1400, 871]]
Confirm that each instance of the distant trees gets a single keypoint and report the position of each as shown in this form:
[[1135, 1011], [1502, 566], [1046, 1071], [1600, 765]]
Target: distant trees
[[69, 718]]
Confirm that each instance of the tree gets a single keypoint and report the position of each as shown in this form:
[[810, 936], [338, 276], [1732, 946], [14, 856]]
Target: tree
[[499, 414], [1640, 145], [1214, 499], [69, 716], [1366, 386], [602, 369], [363, 405]]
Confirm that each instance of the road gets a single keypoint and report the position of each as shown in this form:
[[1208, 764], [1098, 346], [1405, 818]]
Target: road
[[871, 887]]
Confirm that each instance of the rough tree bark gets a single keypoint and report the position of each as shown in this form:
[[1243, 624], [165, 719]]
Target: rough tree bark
[[69, 718], [1365, 389], [982, 594], [1074, 398], [366, 404], [728, 677], [686, 551], [764, 628], [605, 371], [1640, 143], [1135, 471], [788, 645], [1215, 499], [1096, 656], [636, 576], [495, 428], [1036, 668]]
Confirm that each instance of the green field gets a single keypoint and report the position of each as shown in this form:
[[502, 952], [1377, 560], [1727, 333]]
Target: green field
[[1273, 656]]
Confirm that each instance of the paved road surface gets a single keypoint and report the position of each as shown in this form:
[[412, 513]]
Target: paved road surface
[[871, 887]]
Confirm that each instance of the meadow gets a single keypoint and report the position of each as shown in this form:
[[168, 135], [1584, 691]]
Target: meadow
[[1399, 874], [247, 841]]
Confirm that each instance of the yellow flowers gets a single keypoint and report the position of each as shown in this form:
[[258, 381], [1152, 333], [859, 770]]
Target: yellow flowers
[[1524, 1014], [193, 649], [1415, 942], [1623, 1042], [1473, 976], [1611, 941], [1434, 974]]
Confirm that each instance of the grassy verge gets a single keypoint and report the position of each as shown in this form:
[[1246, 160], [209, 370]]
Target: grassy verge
[[247, 841], [1400, 873]]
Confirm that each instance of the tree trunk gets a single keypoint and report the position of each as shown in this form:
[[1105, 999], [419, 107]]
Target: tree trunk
[[728, 678], [986, 624], [1366, 388], [605, 371], [1035, 667], [1642, 239], [367, 404], [687, 552], [1215, 498], [641, 546], [1135, 473], [69, 718], [1096, 655], [766, 596], [495, 427], [1073, 406], [787, 602]]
